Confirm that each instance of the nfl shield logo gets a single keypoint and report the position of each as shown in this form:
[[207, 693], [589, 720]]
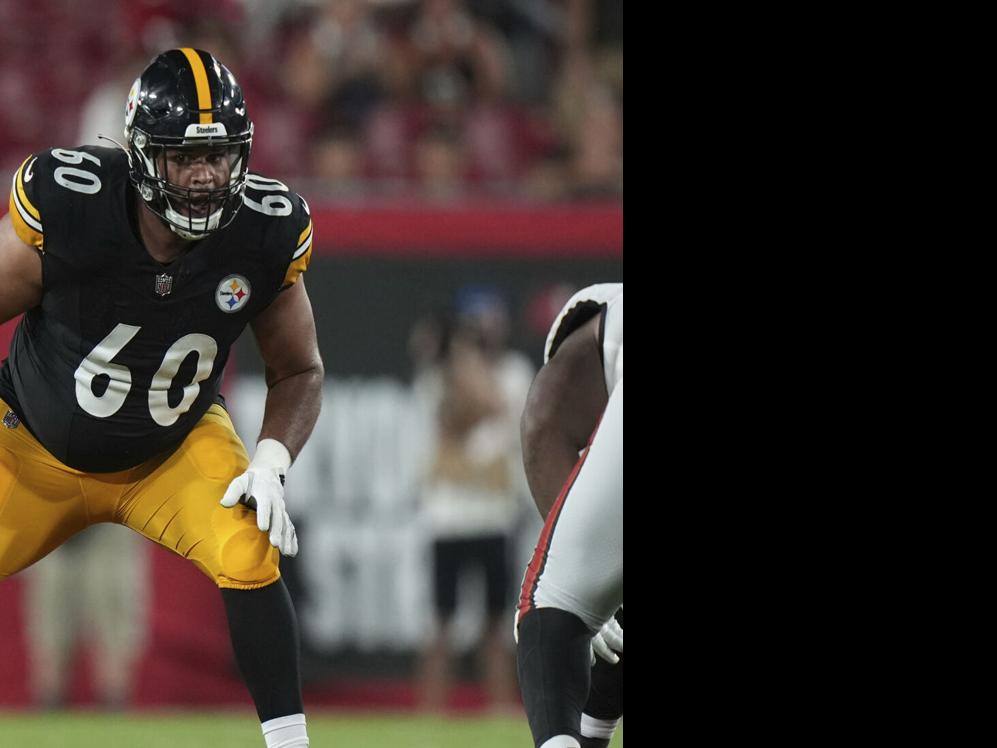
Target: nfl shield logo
[[10, 420], [164, 284]]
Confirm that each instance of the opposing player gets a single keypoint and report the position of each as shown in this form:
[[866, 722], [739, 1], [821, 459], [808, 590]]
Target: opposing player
[[137, 268], [574, 583]]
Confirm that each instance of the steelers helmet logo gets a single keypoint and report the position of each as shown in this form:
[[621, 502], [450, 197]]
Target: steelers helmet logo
[[232, 293], [131, 106]]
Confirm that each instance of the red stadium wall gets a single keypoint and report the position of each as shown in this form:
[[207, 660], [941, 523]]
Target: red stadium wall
[[475, 229], [188, 658]]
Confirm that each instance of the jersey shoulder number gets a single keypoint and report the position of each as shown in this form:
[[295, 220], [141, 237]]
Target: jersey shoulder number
[[46, 181], [293, 233]]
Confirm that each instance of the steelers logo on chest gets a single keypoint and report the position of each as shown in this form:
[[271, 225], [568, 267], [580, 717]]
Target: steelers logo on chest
[[232, 293]]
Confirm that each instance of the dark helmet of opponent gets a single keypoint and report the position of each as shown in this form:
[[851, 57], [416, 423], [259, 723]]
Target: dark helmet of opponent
[[186, 100]]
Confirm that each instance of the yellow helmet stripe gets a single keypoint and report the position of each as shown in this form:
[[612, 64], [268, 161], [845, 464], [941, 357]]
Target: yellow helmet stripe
[[19, 183], [201, 81]]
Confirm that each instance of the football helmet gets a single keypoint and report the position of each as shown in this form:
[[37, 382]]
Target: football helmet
[[186, 100]]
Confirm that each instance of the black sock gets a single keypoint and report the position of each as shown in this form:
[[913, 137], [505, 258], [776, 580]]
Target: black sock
[[264, 632], [553, 663]]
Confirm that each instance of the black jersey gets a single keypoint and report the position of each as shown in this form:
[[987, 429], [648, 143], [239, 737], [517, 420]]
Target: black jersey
[[124, 354]]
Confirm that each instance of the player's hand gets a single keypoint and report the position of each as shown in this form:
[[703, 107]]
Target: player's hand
[[610, 637], [261, 488]]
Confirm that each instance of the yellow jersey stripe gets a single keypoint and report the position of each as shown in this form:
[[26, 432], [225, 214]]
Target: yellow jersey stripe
[[16, 207], [302, 248], [201, 81], [304, 234], [19, 185], [298, 266], [25, 232]]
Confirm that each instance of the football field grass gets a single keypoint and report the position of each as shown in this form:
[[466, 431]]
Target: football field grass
[[240, 730]]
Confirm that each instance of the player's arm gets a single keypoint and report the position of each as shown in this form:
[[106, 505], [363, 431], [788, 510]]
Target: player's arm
[[563, 408], [285, 333], [20, 273]]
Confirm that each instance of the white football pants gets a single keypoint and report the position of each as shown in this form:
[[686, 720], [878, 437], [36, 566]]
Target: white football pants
[[577, 565]]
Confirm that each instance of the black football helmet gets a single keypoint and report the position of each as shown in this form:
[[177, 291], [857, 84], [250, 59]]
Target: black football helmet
[[186, 99]]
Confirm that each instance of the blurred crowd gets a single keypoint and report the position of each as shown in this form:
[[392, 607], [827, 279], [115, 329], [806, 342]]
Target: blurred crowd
[[436, 99]]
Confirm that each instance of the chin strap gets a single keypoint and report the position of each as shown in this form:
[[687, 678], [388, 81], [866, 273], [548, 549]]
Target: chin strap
[[172, 217]]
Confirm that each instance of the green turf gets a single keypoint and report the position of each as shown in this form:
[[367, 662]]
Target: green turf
[[240, 730]]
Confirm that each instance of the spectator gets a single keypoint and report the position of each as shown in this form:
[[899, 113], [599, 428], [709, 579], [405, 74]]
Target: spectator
[[585, 110], [547, 179], [102, 113], [531, 90], [457, 57], [596, 168], [473, 495], [337, 165], [439, 164], [92, 589], [350, 47]]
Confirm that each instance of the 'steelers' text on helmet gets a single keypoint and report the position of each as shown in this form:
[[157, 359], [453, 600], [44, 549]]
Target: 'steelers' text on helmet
[[186, 100]]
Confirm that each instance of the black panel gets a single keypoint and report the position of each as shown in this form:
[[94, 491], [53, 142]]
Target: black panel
[[365, 307]]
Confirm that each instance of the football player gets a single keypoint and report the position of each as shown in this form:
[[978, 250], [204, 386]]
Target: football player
[[137, 267], [572, 429]]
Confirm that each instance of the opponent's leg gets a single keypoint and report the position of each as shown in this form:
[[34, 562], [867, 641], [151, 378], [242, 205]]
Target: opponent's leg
[[553, 659], [573, 585]]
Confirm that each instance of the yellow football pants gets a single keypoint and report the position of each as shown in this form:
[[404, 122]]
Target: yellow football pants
[[171, 500]]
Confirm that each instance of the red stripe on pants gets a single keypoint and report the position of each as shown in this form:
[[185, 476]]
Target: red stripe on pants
[[539, 560]]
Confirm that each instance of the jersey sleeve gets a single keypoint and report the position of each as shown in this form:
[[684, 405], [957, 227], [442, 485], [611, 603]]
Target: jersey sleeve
[[579, 309], [611, 339], [24, 207], [302, 254]]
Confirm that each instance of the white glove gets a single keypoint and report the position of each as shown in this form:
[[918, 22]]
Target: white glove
[[261, 488], [610, 637]]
